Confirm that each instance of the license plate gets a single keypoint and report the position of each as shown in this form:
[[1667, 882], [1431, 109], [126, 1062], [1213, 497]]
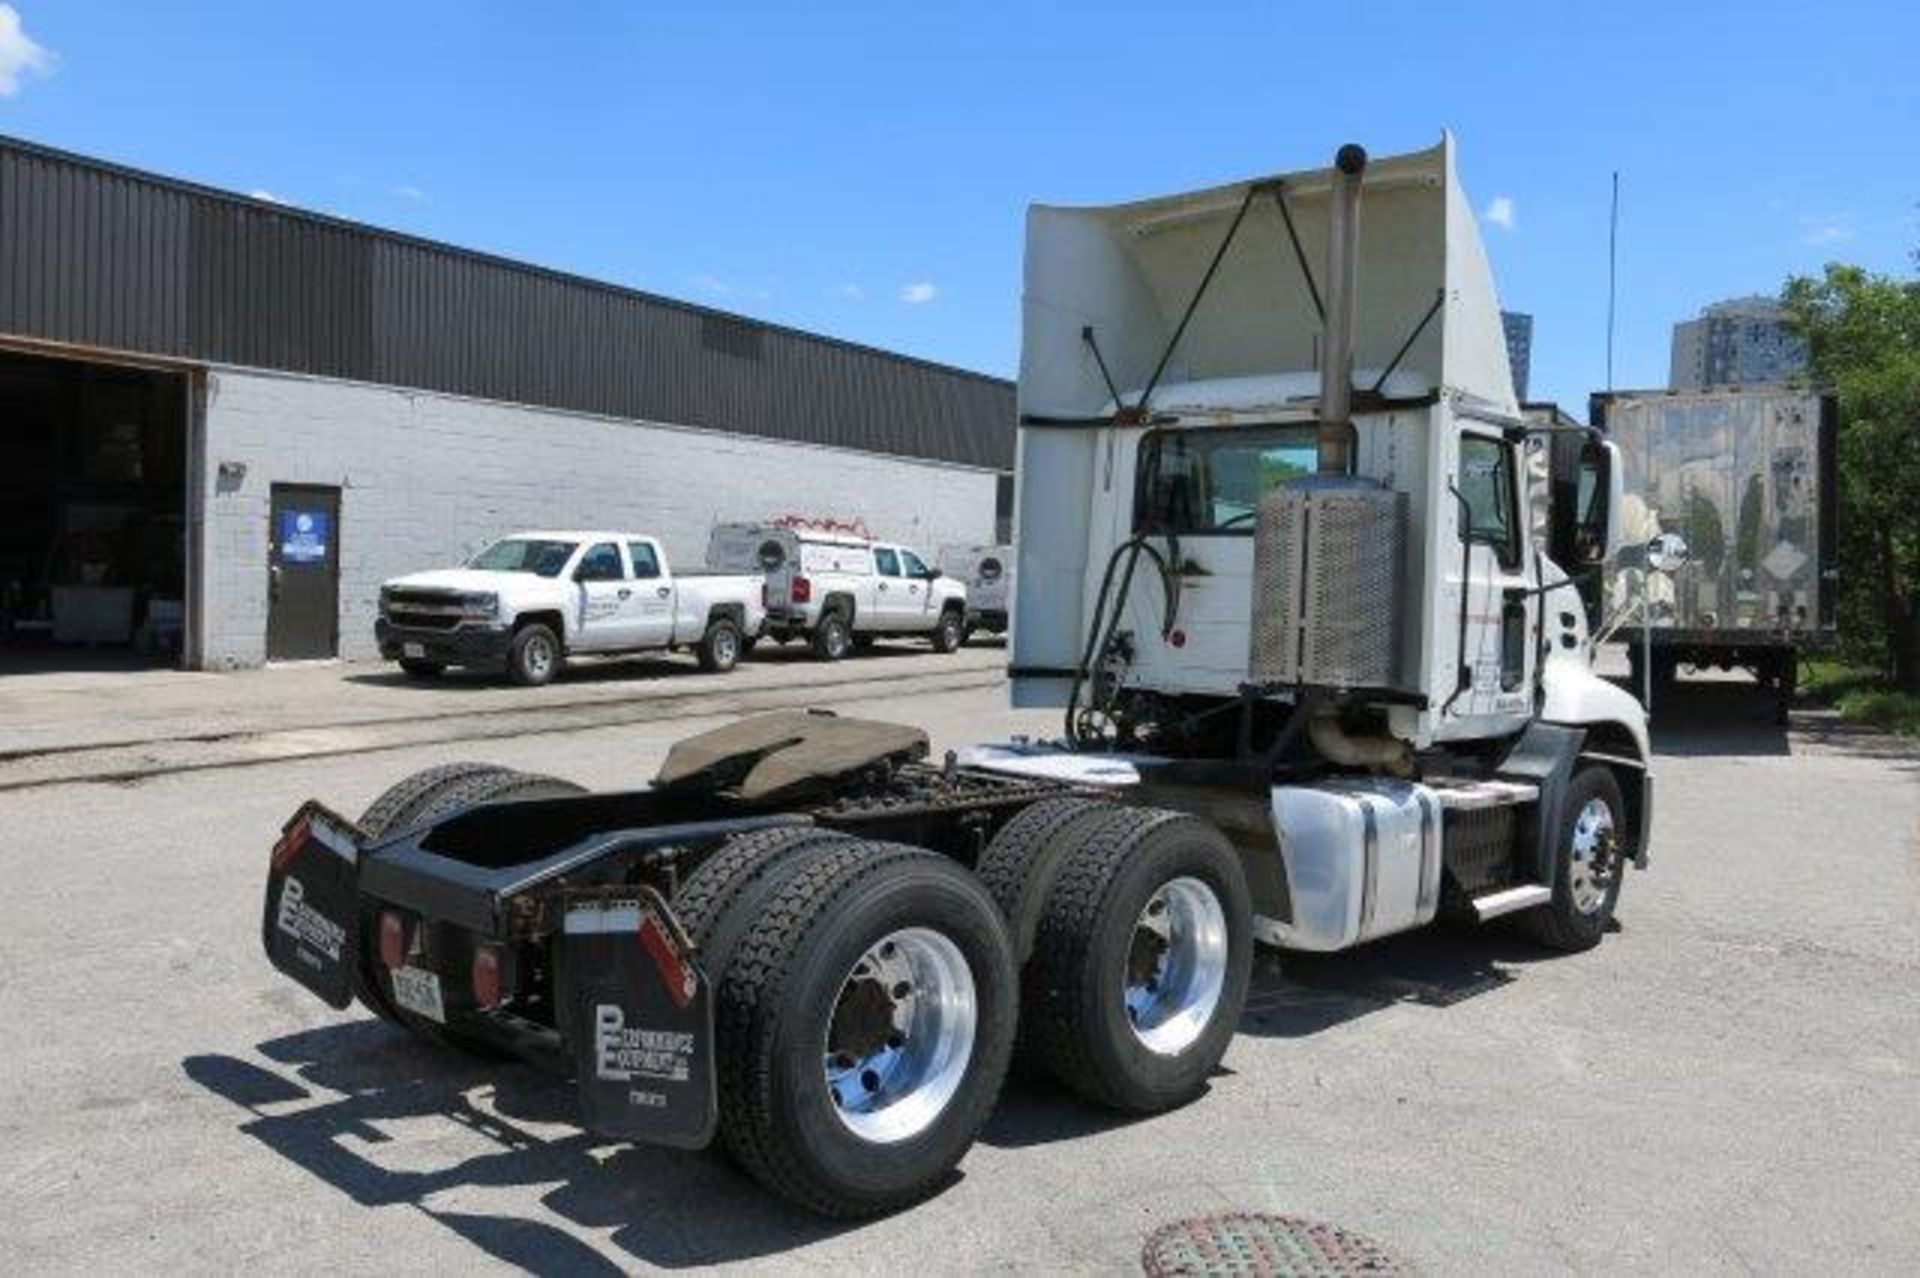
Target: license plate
[[418, 990], [414, 650]]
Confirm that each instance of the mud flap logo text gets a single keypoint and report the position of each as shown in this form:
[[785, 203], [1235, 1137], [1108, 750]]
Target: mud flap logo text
[[621, 1054], [307, 925]]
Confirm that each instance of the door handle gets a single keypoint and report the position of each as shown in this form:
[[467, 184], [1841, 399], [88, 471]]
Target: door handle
[[883, 585], [273, 581], [663, 591], [624, 592]]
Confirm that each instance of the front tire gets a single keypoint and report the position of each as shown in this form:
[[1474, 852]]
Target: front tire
[[1591, 857], [534, 657], [863, 1028], [1141, 961]]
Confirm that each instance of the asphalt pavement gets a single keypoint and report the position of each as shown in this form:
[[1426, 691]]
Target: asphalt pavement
[[1730, 1083]]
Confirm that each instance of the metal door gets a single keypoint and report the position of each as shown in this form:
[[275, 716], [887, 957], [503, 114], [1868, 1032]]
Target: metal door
[[303, 572]]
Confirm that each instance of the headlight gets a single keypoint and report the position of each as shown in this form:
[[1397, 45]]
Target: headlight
[[479, 606]]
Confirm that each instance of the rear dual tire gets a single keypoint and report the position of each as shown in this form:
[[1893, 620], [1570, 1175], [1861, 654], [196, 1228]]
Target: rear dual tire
[[1135, 926], [864, 1009]]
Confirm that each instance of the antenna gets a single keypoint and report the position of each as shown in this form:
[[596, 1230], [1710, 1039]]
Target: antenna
[[1613, 269]]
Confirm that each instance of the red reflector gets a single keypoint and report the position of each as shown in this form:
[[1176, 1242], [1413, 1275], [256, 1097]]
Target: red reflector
[[290, 841], [1178, 638], [486, 976], [801, 591], [673, 973], [393, 940]]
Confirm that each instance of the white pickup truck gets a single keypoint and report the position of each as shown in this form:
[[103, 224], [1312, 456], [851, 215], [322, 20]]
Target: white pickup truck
[[840, 591], [531, 600]]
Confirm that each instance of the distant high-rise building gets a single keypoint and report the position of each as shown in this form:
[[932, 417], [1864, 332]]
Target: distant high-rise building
[[1738, 342], [1519, 349]]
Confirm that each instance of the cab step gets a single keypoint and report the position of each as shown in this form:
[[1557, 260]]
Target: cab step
[[1509, 900]]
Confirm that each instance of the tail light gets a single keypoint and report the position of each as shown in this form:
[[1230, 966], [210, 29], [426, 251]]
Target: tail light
[[487, 983], [393, 939], [801, 591]]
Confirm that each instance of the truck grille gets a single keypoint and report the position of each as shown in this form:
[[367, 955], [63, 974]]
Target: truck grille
[[423, 609]]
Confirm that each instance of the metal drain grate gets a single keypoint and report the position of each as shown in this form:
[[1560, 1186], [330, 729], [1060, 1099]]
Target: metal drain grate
[[1255, 1243]]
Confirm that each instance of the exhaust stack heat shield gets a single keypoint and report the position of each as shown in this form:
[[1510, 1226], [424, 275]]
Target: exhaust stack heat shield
[[1328, 584]]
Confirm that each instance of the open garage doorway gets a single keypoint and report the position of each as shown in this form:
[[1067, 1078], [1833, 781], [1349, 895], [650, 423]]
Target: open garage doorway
[[93, 528]]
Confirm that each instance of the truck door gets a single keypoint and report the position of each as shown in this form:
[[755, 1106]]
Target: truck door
[[1490, 563], [892, 610], [654, 602], [607, 616], [920, 614]]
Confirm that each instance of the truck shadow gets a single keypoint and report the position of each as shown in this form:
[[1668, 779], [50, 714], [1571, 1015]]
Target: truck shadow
[[1296, 996], [389, 1121]]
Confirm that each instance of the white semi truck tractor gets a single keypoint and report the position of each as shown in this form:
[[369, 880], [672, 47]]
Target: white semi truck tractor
[[1319, 683]]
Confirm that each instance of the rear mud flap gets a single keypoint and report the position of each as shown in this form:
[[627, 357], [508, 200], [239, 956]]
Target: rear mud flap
[[639, 1019], [311, 921]]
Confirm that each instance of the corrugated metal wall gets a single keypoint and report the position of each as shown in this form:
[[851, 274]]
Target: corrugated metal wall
[[96, 255]]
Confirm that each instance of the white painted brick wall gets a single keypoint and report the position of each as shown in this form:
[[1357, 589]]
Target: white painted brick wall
[[424, 477]]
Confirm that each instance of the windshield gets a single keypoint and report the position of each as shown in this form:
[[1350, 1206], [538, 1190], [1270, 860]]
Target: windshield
[[517, 554], [1211, 480]]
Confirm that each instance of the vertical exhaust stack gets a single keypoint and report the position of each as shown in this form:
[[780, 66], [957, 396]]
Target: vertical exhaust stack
[[1336, 347]]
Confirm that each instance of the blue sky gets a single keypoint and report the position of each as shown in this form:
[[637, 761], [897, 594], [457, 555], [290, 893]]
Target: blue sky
[[861, 169]]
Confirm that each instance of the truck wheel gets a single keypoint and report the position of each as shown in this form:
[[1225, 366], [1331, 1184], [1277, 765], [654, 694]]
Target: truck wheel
[[832, 637], [949, 633], [895, 962], [420, 669], [719, 649], [534, 656], [1591, 857], [1141, 961]]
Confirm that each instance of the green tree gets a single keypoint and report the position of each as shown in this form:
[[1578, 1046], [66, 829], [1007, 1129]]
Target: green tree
[[1863, 333]]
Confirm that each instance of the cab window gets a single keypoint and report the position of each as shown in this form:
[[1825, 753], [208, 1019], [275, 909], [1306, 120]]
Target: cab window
[[1486, 484], [914, 565], [886, 561], [646, 563], [601, 563], [1210, 481]]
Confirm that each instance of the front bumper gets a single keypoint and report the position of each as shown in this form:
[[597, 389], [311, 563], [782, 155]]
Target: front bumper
[[467, 644]]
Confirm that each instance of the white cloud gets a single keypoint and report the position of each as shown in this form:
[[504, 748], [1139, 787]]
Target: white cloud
[[410, 193], [268, 196], [918, 293], [1826, 228], [1500, 212], [20, 55]]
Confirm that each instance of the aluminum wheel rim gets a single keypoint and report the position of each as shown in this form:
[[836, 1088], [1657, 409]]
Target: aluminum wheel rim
[[725, 647], [1176, 966], [837, 639], [539, 655], [900, 1036], [1591, 870]]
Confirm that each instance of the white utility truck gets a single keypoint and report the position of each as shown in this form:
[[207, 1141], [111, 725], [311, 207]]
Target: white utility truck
[[1320, 684], [840, 590], [987, 573], [529, 601]]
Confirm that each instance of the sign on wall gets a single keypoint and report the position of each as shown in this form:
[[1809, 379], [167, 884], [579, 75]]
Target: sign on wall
[[304, 535]]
